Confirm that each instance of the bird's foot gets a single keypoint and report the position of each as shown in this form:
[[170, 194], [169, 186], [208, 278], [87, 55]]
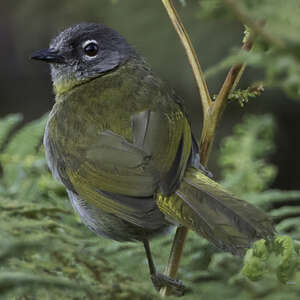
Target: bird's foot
[[160, 280], [206, 172]]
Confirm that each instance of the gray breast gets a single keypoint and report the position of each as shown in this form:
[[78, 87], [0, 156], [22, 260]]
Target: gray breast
[[97, 220], [109, 225]]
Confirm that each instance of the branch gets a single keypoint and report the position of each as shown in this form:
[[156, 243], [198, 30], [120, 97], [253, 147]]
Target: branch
[[191, 54], [232, 79], [181, 233], [210, 124], [212, 112], [256, 27]]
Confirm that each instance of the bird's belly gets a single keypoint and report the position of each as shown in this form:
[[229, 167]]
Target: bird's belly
[[109, 225]]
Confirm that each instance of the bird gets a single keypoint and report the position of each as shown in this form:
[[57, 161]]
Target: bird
[[119, 139]]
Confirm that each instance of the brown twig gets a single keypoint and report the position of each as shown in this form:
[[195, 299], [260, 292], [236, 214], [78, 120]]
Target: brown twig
[[218, 106], [212, 112], [256, 27], [191, 54]]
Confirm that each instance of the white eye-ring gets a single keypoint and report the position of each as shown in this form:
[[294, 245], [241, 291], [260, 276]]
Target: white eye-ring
[[90, 48]]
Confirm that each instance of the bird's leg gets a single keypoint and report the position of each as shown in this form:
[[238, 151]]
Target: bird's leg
[[160, 280], [205, 171]]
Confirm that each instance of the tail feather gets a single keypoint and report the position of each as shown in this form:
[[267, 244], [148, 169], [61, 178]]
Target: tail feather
[[206, 207]]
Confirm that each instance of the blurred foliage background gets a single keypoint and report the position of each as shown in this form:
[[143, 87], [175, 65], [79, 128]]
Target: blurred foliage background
[[45, 246], [26, 26]]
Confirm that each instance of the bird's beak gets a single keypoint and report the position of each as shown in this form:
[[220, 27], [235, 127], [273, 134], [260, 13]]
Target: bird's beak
[[48, 55]]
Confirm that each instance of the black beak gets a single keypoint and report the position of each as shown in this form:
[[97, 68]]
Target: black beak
[[48, 55]]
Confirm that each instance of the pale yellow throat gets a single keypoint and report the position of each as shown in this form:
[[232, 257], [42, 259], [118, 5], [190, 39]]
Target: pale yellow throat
[[64, 85]]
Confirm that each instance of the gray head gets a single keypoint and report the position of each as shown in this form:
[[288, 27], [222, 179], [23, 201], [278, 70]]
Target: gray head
[[84, 51]]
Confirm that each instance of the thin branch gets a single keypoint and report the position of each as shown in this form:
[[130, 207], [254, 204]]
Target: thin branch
[[175, 255], [212, 112], [191, 54], [210, 124], [256, 27], [181, 233], [231, 81]]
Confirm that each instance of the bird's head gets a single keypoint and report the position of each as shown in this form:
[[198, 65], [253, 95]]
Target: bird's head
[[82, 52]]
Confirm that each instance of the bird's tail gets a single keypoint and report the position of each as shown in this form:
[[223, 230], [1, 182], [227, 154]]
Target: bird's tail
[[207, 208]]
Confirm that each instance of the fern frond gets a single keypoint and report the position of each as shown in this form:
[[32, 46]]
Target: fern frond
[[26, 140], [268, 198], [19, 155], [6, 125], [243, 156]]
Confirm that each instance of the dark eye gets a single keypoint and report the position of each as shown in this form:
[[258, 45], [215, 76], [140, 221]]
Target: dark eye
[[91, 49]]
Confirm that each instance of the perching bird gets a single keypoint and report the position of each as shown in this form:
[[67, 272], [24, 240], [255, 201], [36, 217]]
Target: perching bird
[[119, 139]]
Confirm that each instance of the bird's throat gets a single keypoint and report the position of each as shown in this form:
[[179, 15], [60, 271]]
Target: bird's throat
[[64, 85]]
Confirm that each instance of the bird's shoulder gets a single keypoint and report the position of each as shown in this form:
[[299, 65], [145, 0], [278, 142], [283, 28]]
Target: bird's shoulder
[[132, 86]]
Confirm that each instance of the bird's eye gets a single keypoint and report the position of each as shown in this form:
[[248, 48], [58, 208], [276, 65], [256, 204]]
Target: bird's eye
[[91, 49]]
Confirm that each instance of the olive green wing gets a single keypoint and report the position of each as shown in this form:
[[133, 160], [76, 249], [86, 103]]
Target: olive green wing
[[167, 138], [121, 177]]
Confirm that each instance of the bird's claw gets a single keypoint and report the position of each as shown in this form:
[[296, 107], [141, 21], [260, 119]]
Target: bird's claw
[[206, 172], [160, 280]]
